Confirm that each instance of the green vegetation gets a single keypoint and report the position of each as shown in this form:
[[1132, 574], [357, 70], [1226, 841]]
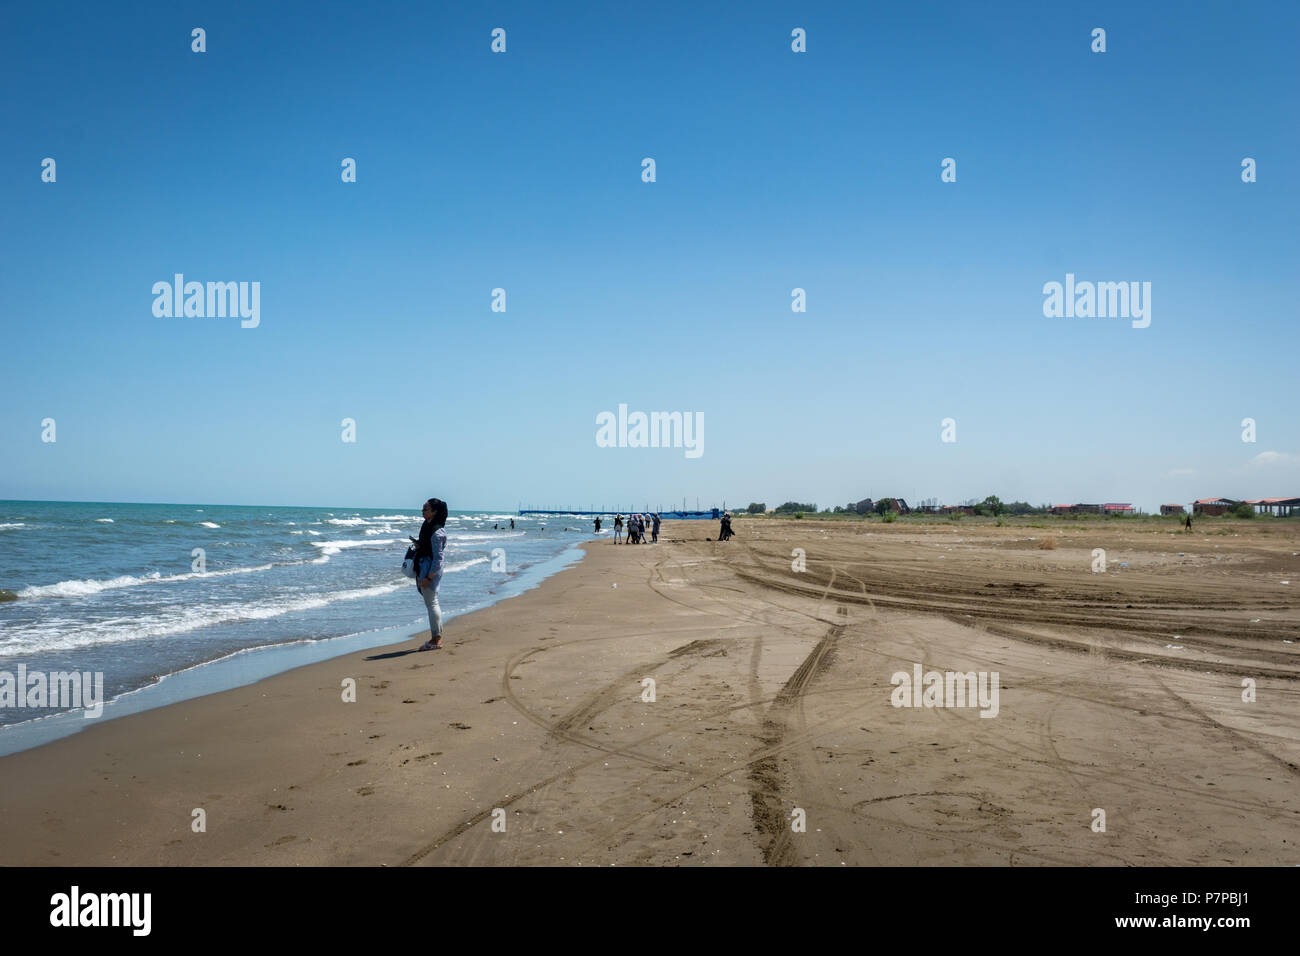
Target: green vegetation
[[1243, 510], [756, 508], [793, 506]]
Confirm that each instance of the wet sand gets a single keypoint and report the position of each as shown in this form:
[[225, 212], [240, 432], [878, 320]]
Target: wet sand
[[772, 693]]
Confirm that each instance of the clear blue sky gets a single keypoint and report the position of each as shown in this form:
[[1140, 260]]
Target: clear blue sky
[[775, 170]]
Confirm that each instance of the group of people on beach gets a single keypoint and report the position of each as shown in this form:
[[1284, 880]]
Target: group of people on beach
[[724, 531], [431, 545], [636, 528]]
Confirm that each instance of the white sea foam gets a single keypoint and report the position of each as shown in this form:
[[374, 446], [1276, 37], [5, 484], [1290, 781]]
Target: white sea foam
[[383, 520], [12, 524], [330, 548], [179, 619], [104, 520], [334, 547], [209, 524], [491, 536], [454, 568], [87, 587]]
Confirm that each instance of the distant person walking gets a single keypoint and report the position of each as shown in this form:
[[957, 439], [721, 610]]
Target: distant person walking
[[724, 531], [618, 529], [1188, 525], [429, 549], [512, 524], [655, 538], [597, 524]]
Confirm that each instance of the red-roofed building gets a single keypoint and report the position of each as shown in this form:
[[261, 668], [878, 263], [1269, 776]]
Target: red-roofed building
[[1213, 506], [1115, 508]]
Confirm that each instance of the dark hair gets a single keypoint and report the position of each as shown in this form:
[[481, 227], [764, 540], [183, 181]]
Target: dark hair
[[439, 511]]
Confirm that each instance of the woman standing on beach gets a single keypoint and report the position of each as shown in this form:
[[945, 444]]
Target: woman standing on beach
[[429, 550]]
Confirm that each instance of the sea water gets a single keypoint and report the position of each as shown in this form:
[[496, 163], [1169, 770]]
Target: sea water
[[119, 588]]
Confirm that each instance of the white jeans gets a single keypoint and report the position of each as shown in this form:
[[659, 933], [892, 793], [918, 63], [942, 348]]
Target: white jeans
[[430, 595]]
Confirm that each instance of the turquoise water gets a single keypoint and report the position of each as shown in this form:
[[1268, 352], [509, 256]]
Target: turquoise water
[[117, 588]]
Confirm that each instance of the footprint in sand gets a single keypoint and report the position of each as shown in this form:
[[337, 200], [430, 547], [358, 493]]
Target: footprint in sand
[[356, 763], [459, 726], [365, 791]]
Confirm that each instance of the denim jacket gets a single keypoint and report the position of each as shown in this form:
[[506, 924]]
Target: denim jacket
[[433, 566]]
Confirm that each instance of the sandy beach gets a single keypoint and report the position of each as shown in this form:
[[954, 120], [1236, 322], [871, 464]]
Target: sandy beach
[[1119, 691]]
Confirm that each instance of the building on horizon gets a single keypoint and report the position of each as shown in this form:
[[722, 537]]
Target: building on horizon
[[1085, 509], [1278, 507]]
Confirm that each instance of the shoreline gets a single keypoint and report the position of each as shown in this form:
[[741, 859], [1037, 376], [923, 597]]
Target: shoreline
[[250, 665], [676, 704], [138, 770]]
